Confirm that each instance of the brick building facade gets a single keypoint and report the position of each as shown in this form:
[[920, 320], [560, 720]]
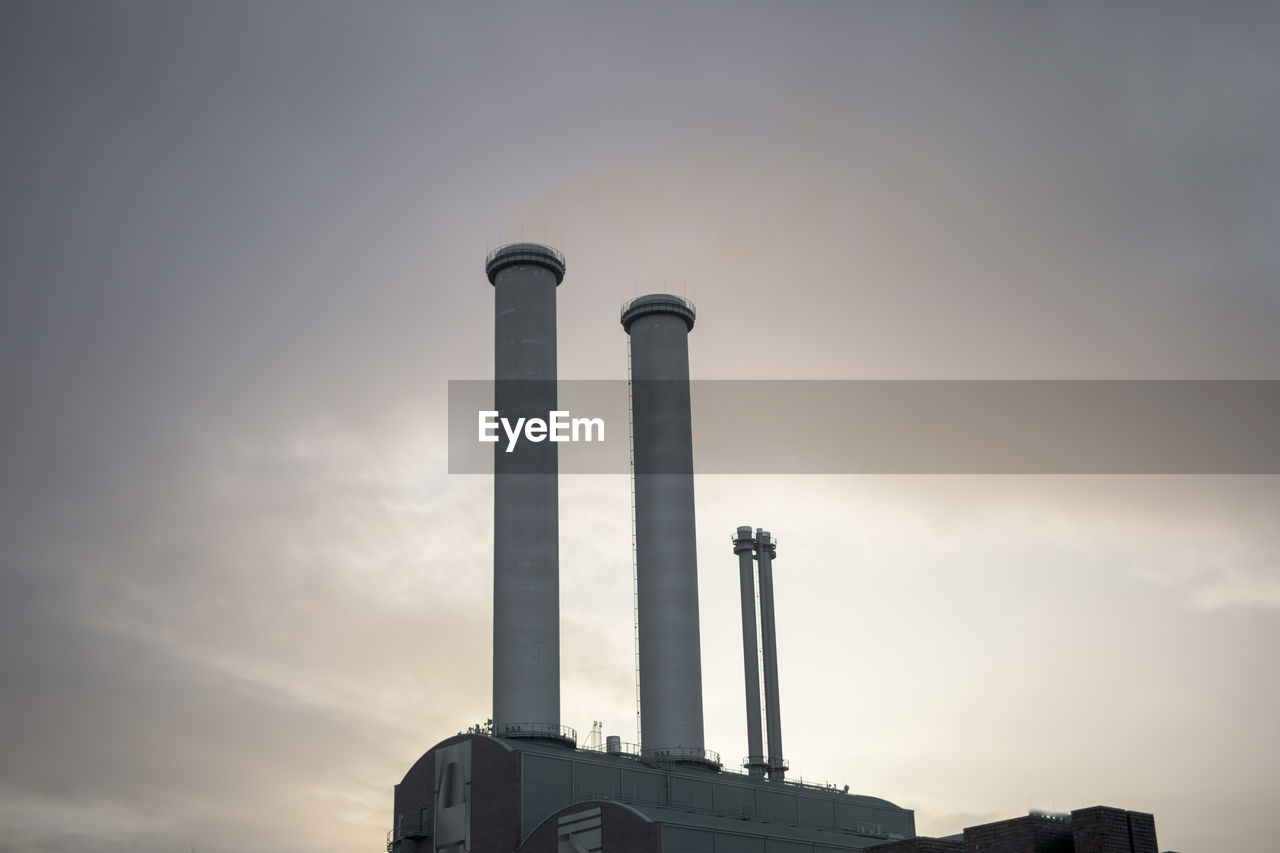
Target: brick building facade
[[1098, 829]]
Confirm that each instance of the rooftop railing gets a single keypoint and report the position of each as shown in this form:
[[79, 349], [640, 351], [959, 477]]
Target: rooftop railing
[[626, 750], [683, 755], [407, 828], [634, 751], [551, 731], [773, 539], [658, 302], [516, 253]]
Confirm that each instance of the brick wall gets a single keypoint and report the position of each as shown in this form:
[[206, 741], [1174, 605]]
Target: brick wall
[[1142, 829], [495, 795], [1102, 829], [1030, 834]]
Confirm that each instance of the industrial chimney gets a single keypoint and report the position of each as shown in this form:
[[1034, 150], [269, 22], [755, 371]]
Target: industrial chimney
[[744, 546], [526, 539], [766, 550], [666, 557]]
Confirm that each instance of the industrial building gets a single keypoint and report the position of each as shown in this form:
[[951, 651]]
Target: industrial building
[[523, 782], [1099, 829]]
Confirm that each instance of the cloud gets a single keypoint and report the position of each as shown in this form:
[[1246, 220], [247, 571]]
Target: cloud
[[267, 622]]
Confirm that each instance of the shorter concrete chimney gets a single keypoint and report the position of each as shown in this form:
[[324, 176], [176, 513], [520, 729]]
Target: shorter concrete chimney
[[766, 550], [744, 545]]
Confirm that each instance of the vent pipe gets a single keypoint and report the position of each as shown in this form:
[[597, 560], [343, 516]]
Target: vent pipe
[[526, 539], [744, 545], [666, 548], [766, 550]]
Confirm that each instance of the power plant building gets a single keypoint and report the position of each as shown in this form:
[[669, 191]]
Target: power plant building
[[522, 783], [489, 794]]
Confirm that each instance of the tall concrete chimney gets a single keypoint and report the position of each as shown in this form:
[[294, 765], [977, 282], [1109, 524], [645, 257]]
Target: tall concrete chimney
[[744, 546], [526, 538], [666, 548]]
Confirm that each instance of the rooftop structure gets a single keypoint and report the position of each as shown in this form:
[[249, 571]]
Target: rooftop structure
[[479, 794]]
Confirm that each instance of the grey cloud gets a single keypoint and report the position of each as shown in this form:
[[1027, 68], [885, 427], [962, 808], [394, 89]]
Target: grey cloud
[[245, 632]]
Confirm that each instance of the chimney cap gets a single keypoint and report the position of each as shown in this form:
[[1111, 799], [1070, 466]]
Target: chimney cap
[[524, 253], [657, 303]]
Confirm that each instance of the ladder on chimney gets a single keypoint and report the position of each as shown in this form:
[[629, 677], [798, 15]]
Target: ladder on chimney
[[635, 563]]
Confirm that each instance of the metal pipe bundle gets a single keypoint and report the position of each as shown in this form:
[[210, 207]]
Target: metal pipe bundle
[[765, 552], [744, 546]]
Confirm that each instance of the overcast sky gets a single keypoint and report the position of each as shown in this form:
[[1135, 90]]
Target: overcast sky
[[242, 251]]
